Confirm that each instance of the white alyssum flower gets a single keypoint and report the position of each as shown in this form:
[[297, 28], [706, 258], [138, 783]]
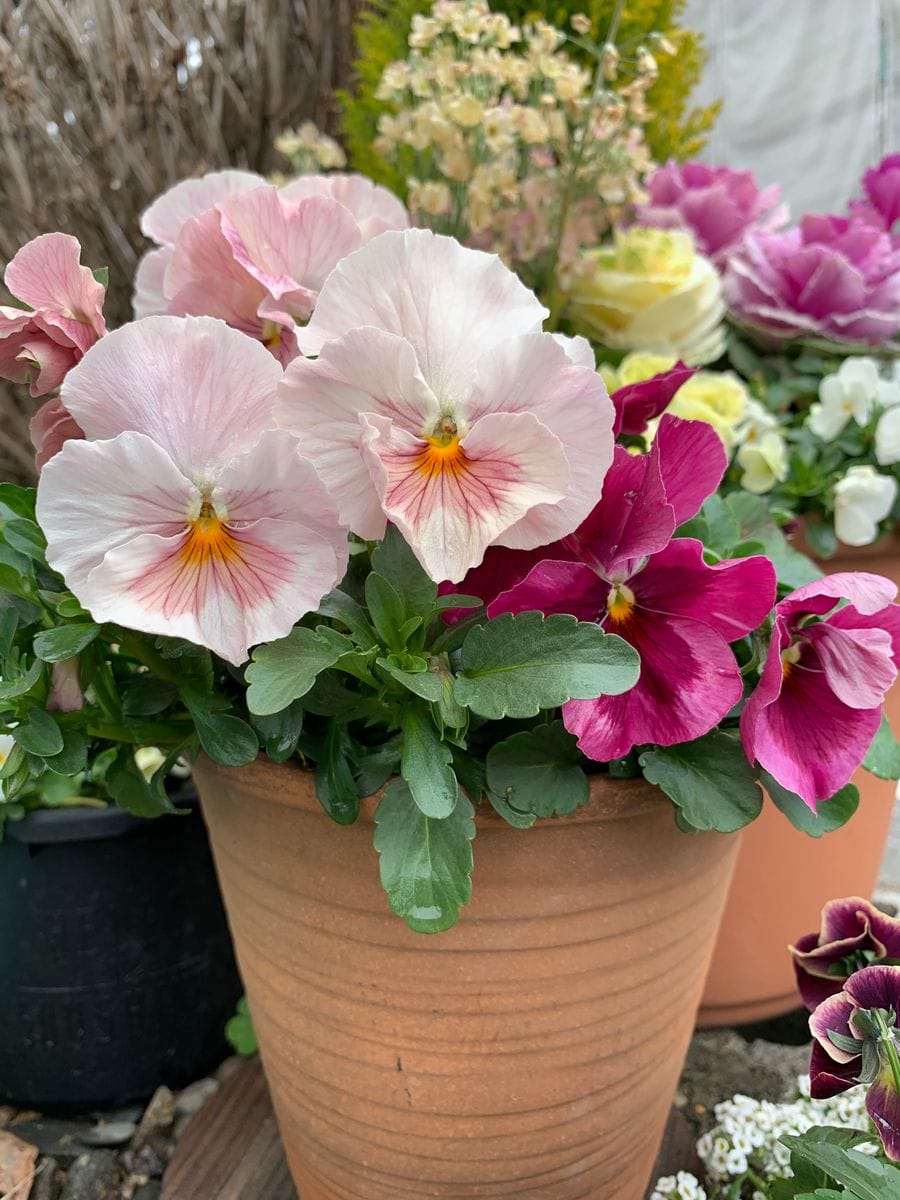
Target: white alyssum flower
[[854, 391], [887, 436], [682, 1186], [862, 499], [764, 461]]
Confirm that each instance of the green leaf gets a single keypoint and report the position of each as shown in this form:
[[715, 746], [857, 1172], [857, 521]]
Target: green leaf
[[394, 561], [386, 610], [285, 670], [146, 695], [883, 758], [456, 600], [756, 524], [39, 734], [225, 738], [539, 771], [27, 538], [830, 814], [239, 1031], [130, 789], [66, 641], [868, 1178], [723, 527], [373, 768], [335, 785], [426, 865], [425, 764], [516, 665], [11, 689], [426, 684], [338, 606], [709, 779], [513, 816], [15, 582], [73, 756], [19, 500], [280, 732], [101, 274]]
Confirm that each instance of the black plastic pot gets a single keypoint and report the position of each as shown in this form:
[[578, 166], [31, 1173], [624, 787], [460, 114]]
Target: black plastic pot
[[116, 967]]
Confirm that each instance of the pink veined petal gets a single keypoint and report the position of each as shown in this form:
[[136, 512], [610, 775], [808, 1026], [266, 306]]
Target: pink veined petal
[[170, 211], [732, 597], [500, 570], [288, 247], [47, 274], [631, 519], [887, 618], [795, 727], [149, 297], [858, 663], [451, 303], [692, 461], [204, 279], [94, 496], [200, 390], [689, 680], [451, 510], [321, 402], [578, 349], [833, 1015], [375, 208], [828, 1078], [883, 1107], [845, 918], [46, 363], [533, 373], [866, 592], [555, 587], [877, 986], [50, 428]]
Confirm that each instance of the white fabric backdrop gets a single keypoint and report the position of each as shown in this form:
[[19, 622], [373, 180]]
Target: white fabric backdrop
[[811, 91]]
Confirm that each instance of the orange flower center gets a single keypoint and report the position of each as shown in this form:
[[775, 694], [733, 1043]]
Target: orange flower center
[[620, 604], [444, 454], [209, 540], [788, 657]]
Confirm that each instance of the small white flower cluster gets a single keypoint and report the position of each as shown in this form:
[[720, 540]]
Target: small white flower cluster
[[309, 150], [746, 1136], [762, 453], [682, 1186], [864, 496], [503, 135]]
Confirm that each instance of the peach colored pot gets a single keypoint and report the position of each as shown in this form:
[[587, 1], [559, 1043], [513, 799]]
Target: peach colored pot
[[783, 878], [530, 1052]]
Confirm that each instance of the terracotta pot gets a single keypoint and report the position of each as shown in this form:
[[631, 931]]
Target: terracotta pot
[[783, 878], [530, 1052]]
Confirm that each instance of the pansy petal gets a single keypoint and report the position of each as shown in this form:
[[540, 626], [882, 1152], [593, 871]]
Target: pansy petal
[[887, 618], [46, 363], [47, 274], [451, 504], [847, 917], [532, 373], [833, 1016], [452, 303], [149, 296], [555, 587], [732, 597], [321, 401], [692, 461], [883, 1107], [169, 212], [50, 428], [858, 663], [877, 986], [866, 592], [375, 208], [828, 1078], [637, 404], [202, 391], [203, 277], [689, 680]]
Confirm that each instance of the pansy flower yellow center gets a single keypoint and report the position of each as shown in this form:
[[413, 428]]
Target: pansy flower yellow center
[[209, 539], [620, 603], [789, 656], [443, 454], [271, 334]]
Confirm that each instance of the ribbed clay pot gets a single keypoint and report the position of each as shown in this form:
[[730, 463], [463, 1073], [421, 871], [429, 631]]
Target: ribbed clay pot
[[530, 1052], [783, 877]]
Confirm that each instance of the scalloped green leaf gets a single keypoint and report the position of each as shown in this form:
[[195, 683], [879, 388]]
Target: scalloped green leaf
[[538, 772], [709, 780], [285, 670]]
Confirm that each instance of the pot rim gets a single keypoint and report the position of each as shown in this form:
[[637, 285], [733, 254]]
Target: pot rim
[[54, 826], [610, 798]]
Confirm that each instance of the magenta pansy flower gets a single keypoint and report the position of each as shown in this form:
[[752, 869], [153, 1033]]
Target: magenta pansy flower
[[818, 703], [623, 569], [715, 204], [184, 511], [437, 403], [882, 187], [853, 934], [856, 1040], [637, 404], [830, 277], [39, 346]]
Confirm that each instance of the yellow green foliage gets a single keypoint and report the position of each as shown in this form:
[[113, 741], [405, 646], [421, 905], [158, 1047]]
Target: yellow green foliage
[[676, 130]]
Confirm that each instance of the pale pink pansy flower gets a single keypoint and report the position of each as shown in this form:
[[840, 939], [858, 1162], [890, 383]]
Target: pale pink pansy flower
[[437, 403], [64, 316], [164, 220], [376, 209], [50, 428], [184, 512]]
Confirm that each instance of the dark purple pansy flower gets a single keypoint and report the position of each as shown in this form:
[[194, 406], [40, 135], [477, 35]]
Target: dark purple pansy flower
[[853, 934]]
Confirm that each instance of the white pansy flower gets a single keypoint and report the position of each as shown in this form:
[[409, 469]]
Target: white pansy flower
[[6, 745], [850, 393], [755, 421], [887, 437], [764, 461], [862, 499]]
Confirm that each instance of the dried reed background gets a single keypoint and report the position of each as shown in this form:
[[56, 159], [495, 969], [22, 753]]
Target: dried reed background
[[103, 103]]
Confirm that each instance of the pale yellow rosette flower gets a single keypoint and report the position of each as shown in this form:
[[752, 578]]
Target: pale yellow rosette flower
[[650, 290]]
